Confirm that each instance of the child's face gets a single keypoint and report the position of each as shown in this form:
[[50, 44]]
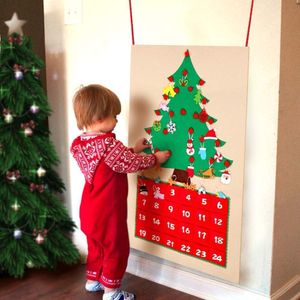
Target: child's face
[[107, 125]]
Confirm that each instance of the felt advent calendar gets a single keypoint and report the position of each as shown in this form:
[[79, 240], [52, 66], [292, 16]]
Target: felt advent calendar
[[192, 102]]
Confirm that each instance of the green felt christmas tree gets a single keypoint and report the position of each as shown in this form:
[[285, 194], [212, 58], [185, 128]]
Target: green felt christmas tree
[[184, 126], [34, 224]]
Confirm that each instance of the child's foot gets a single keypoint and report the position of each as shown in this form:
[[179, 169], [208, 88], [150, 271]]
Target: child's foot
[[118, 295], [94, 286]]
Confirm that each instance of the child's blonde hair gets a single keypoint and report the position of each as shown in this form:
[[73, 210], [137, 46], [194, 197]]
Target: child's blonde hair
[[94, 102]]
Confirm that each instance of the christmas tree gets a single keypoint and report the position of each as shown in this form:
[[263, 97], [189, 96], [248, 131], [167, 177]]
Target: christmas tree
[[184, 126], [34, 224]]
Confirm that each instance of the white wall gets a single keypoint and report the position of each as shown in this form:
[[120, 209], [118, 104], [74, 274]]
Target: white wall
[[286, 247], [98, 50]]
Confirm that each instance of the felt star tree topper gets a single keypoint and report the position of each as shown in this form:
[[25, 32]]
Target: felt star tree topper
[[15, 24]]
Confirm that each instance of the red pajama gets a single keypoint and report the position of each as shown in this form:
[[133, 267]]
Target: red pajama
[[105, 162]]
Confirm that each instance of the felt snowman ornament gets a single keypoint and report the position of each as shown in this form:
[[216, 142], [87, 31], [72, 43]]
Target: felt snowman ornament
[[189, 144], [226, 177], [190, 147]]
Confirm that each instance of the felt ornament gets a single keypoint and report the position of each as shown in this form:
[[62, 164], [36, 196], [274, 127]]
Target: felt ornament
[[225, 177]]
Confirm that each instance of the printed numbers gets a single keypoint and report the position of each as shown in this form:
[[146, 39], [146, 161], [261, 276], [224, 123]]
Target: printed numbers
[[143, 233], [186, 230], [200, 253], [218, 221], [171, 226], [218, 240], [156, 221], [217, 257], [186, 213], [202, 235], [142, 217], [219, 205], [170, 208], [155, 238], [184, 221], [170, 243], [202, 217], [185, 248]]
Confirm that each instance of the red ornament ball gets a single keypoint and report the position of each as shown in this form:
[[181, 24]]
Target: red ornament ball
[[148, 130], [186, 53], [211, 160], [171, 78], [165, 131], [217, 143], [210, 121], [190, 88], [191, 159], [184, 72], [226, 163], [204, 101], [166, 97], [201, 139], [183, 111], [191, 130], [196, 115], [176, 90], [201, 81], [171, 113]]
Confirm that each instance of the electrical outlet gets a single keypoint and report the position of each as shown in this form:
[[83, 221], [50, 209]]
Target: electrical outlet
[[73, 11]]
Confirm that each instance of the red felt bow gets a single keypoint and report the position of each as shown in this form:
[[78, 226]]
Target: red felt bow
[[202, 116]]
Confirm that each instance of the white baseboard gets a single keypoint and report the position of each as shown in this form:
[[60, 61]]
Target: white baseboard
[[189, 283], [198, 286]]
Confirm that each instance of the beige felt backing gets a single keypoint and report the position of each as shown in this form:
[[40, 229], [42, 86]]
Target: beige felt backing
[[225, 70]]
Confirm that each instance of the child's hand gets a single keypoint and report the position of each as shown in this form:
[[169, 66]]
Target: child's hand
[[162, 156], [140, 145]]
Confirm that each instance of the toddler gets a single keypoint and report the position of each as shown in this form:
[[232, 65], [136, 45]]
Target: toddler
[[105, 162]]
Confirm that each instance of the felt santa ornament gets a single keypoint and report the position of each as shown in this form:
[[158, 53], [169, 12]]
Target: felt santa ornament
[[226, 177]]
